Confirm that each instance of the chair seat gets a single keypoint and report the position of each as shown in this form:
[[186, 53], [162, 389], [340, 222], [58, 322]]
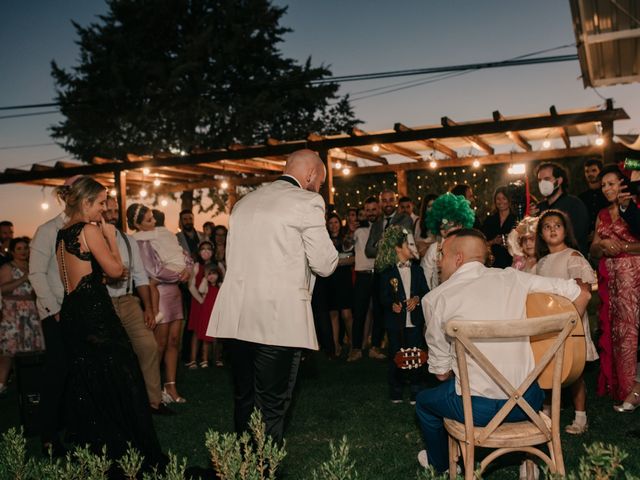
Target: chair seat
[[513, 434]]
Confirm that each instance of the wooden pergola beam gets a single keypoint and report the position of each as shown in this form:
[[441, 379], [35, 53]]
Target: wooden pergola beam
[[432, 144], [515, 136], [514, 157], [564, 132], [433, 133], [473, 139], [358, 152], [391, 148], [344, 161]]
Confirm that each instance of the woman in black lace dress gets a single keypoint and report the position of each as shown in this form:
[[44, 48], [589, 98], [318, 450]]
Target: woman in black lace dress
[[106, 397]]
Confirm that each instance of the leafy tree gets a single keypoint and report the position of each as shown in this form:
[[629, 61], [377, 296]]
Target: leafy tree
[[187, 75]]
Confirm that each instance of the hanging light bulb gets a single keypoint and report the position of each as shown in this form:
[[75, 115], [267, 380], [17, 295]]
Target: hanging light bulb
[[44, 206], [600, 141], [146, 171], [476, 163], [546, 144], [376, 148], [338, 165], [113, 192], [333, 189], [346, 171], [224, 185], [156, 182], [164, 202], [143, 193], [433, 164]]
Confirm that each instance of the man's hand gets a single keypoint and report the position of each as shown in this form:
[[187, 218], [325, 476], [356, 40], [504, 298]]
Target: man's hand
[[412, 303], [184, 275], [149, 319], [624, 197], [444, 376], [396, 307]]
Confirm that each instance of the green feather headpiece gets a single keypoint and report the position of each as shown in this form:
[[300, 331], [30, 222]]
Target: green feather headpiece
[[450, 209], [393, 237]]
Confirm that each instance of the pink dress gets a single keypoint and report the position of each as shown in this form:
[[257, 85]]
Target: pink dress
[[201, 312], [170, 295], [621, 321]]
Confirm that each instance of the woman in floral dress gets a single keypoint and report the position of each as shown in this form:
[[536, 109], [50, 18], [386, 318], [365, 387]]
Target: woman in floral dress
[[20, 329]]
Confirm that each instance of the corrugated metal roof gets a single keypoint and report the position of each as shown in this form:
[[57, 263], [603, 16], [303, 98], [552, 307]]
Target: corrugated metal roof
[[608, 39]]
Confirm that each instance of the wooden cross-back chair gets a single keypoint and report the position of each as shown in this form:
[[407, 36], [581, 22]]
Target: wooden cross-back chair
[[508, 437]]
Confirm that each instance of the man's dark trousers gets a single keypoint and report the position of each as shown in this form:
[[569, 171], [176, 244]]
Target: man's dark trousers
[[54, 380], [263, 377]]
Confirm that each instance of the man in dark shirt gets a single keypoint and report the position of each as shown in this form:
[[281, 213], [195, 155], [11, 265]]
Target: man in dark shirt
[[553, 184], [593, 198]]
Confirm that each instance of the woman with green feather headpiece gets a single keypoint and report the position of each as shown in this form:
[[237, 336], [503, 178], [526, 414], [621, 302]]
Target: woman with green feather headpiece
[[449, 213]]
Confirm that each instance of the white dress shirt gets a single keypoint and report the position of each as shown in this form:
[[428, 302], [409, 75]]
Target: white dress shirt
[[475, 292], [429, 264], [137, 273], [360, 237]]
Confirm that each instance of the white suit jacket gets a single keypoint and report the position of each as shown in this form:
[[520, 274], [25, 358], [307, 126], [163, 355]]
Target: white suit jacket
[[277, 242], [44, 275]]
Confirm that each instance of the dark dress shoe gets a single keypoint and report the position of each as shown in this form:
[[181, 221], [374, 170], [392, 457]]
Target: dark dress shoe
[[162, 409]]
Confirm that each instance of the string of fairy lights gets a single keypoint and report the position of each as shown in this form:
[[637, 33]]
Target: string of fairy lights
[[150, 182]]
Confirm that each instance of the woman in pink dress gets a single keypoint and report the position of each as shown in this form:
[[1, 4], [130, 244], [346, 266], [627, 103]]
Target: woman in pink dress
[[619, 250], [167, 332]]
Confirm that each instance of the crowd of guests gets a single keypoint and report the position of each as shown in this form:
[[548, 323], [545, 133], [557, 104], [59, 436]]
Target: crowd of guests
[[81, 284], [592, 238]]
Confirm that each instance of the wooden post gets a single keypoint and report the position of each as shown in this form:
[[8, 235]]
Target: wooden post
[[401, 180], [232, 197], [327, 189], [120, 177], [609, 148], [186, 198]]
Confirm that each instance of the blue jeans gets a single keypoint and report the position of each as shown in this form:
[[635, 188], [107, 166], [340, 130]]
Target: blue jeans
[[435, 404]]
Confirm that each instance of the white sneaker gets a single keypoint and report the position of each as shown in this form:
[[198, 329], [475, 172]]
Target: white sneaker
[[422, 458], [523, 471]]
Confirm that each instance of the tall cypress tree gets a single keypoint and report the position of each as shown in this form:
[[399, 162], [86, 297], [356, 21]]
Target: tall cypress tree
[[189, 74]]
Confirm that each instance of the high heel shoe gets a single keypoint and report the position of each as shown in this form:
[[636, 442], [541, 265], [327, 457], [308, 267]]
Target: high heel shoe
[[628, 407], [168, 398]]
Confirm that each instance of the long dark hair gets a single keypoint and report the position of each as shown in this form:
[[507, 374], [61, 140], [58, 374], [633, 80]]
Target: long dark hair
[[424, 231], [504, 191], [542, 248]]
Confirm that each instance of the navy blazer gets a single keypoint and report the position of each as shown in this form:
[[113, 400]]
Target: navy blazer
[[419, 288]]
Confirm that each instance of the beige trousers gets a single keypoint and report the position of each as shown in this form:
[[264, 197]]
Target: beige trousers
[[143, 342]]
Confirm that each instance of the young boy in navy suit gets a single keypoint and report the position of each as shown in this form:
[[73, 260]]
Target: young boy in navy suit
[[402, 286]]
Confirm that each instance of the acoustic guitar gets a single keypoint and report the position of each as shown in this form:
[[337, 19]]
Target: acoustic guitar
[[539, 305]]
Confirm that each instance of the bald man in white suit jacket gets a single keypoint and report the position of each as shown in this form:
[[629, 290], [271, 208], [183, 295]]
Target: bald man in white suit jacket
[[277, 243]]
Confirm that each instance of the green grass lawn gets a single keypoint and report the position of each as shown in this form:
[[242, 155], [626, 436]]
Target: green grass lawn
[[335, 398]]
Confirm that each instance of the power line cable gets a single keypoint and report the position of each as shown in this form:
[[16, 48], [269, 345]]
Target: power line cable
[[34, 114], [33, 145]]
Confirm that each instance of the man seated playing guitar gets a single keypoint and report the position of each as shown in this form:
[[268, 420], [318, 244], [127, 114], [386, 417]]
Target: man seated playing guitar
[[471, 291]]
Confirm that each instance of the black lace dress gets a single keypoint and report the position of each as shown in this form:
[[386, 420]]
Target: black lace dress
[[106, 400]]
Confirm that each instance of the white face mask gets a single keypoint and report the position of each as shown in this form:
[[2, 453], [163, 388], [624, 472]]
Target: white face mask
[[546, 187]]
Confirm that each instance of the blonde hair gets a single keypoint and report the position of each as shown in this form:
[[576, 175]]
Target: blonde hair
[[82, 188]]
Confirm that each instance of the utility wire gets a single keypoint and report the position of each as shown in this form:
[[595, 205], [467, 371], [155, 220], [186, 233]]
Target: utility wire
[[33, 145], [34, 114]]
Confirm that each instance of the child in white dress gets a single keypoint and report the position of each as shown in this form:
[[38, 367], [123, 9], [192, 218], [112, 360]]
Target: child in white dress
[[556, 250]]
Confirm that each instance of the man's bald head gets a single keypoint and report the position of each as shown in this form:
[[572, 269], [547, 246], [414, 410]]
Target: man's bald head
[[460, 247], [307, 167]]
